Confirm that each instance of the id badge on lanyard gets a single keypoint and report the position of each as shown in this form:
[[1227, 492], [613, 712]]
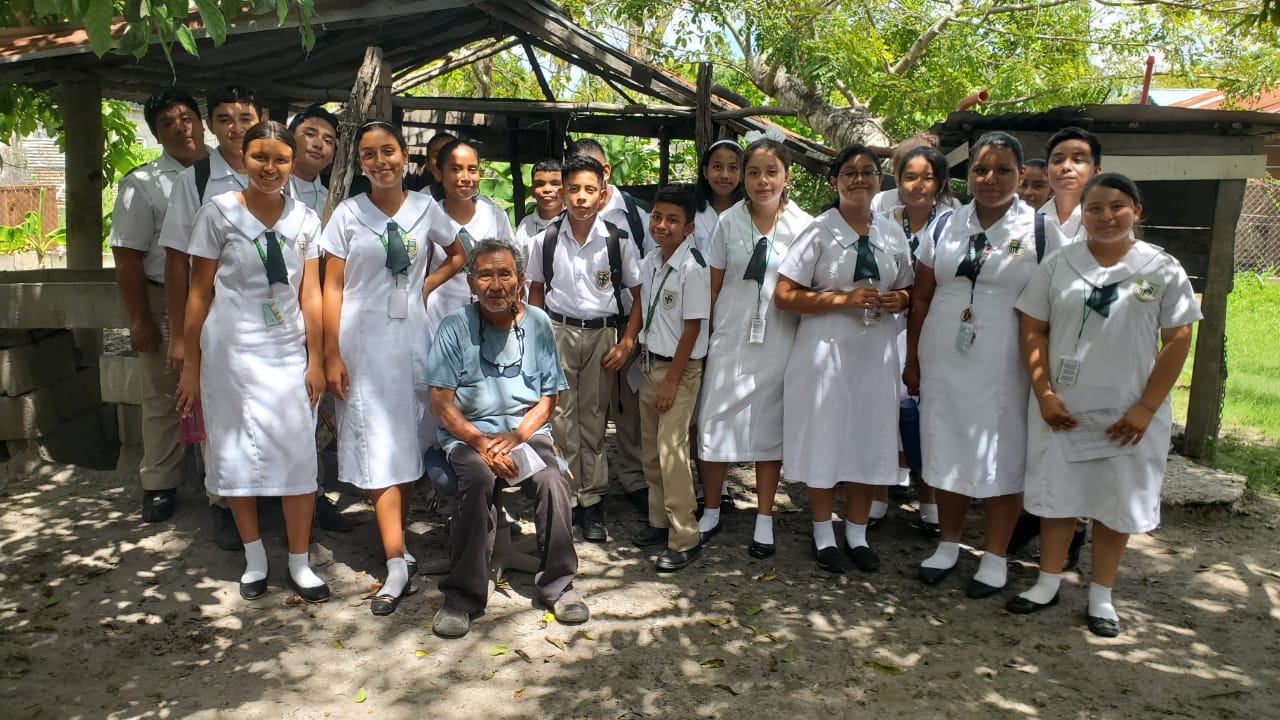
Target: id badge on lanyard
[[272, 315], [398, 302], [967, 333]]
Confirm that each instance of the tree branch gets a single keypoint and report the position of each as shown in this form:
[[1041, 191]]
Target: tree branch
[[913, 54]]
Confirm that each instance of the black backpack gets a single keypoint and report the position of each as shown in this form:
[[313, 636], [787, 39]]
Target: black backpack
[[551, 238], [1039, 233]]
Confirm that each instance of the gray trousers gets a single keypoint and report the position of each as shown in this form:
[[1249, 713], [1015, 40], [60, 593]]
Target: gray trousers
[[475, 523]]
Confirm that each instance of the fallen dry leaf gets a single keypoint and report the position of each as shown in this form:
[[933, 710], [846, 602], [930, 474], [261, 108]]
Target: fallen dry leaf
[[717, 622], [754, 611], [420, 653], [556, 641], [361, 695], [886, 669], [518, 693], [712, 663], [524, 655], [337, 644], [497, 650]]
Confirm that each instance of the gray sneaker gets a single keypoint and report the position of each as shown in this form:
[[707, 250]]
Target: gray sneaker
[[451, 623], [570, 608]]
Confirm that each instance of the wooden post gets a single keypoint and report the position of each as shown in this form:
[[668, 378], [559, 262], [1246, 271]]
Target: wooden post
[[1204, 412], [370, 100], [704, 131], [664, 155], [82, 115], [517, 177]]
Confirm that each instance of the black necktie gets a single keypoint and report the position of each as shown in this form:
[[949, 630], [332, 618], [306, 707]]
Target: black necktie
[[1100, 298], [276, 270], [867, 267], [397, 255], [759, 261], [973, 260]]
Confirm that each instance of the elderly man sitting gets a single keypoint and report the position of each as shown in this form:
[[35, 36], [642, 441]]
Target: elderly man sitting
[[495, 375]]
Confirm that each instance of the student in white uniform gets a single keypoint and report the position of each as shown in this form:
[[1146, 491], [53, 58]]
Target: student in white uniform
[[427, 179], [316, 131], [740, 419], [621, 209], [962, 360], [1074, 157], [254, 354], [548, 199], [886, 201], [1035, 190], [143, 197], [675, 298], [1099, 417], [719, 187], [923, 177], [847, 275], [232, 110], [376, 298]]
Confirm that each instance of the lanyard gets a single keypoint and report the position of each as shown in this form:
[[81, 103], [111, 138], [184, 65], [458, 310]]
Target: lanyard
[[976, 260], [653, 299], [912, 238], [768, 250]]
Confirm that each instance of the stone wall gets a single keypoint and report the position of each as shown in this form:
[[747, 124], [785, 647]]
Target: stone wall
[[51, 402]]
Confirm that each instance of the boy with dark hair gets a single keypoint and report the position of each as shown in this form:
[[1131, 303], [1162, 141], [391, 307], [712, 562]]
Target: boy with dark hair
[[232, 111], [578, 272], [141, 202], [1074, 156], [675, 302], [316, 132], [621, 209], [1035, 190], [548, 203]]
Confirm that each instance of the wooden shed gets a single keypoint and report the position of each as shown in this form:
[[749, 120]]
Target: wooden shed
[[1192, 166]]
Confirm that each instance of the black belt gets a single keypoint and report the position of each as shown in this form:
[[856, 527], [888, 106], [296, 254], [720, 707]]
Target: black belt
[[655, 356], [594, 324], [153, 282]]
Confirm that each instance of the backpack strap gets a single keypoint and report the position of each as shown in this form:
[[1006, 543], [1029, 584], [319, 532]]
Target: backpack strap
[[633, 220], [697, 256], [202, 177], [1040, 237], [614, 246], [940, 225], [549, 239]]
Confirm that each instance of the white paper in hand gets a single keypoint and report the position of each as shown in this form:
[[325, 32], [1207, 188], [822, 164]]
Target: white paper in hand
[[527, 463]]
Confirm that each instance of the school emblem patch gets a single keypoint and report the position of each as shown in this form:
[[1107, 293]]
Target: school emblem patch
[[669, 298], [411, 245], [1143, 290], [302, 247], [1017, 248], [602, 280]]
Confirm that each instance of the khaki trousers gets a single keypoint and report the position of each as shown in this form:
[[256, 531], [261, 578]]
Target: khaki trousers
[[161, 466], [624, 411], [578, 423], [672, 503]]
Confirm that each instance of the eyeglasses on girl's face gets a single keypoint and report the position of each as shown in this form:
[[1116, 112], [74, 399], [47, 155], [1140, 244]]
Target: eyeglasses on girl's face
[[852, 175]]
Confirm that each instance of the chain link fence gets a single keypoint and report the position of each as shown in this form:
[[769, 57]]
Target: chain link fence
[[1258, 231]]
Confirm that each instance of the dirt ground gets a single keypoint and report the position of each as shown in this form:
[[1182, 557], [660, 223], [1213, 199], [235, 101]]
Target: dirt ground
[[102, 616]]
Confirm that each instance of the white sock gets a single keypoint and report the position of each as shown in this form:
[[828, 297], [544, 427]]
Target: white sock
[[904, 477], [397, 577], [408, 557], [1100, 602], [710, 519], [824, 534], [764, 530], [944, 557], [1045, 588], [878, 509], [929, 513], [855, 535], [993, 570], [300, 571], [255, 562]]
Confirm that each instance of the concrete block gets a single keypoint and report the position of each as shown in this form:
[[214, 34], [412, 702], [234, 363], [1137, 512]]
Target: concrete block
[[121, 379], [88, 347], [77, 393], [30, 415], [90, 439], [129, 421], [61, 299], [1192, 490], [14, 338], [25, 368]]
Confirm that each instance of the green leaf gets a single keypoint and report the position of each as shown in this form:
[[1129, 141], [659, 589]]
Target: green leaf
[[881, 667], [187, 40], [361, 695], [133, 42], [214, 22], [282, 11], [754, 611], [497, 650], [712, 663], [97, 24]]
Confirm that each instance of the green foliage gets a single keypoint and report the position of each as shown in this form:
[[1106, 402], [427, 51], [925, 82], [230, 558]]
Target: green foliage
[[24, 111], [29, 235]]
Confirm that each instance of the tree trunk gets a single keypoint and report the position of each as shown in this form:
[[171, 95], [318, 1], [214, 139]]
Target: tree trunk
[[838, 125]]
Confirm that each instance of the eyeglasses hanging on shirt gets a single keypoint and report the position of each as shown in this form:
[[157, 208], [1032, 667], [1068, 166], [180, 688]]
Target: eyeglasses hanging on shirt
[[507, 370]]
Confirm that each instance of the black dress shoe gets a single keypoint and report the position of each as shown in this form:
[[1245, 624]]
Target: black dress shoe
[[384, 605], [977, 589], [760, 551], [1103, 627], [593, 529], [710, 533], [930, 530], [1026, 530], [650, 535], [874, 521], [864, 558], [253, 590], [831, 560], [1019, 605], [158, 505], [639, 500], [313, 595], [225, 534], [1073, 550], [328, 517], [672, 560], [411, 566], [933, 576]]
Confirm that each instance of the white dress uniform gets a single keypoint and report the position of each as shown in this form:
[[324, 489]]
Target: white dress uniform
[[840, 392], [311, 193], [379, 424], [886, 201], [1061, 234], [973, 424], [704, 226], [185, 199], [489, 221], [914, 240], [740, 419], [1117, 354], [258, 418]]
